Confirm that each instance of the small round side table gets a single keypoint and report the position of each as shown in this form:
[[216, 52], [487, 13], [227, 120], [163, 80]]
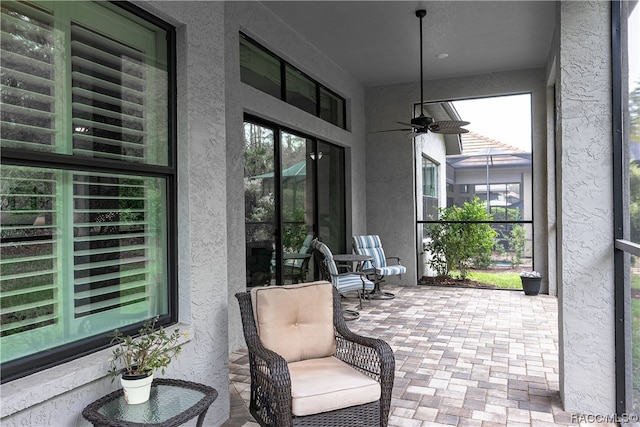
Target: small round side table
[[172, 403]]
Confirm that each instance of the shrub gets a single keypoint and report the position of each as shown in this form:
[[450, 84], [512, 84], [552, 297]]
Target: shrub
[[152, 349], [459, 238], [516, 243]]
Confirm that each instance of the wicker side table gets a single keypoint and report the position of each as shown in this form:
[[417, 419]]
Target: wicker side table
[[172, 403]]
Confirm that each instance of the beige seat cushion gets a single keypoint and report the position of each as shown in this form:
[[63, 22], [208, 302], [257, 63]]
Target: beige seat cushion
[[327, 384], [295, 321]]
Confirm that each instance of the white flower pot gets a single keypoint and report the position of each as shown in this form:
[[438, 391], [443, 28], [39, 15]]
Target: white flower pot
[[137, 388]]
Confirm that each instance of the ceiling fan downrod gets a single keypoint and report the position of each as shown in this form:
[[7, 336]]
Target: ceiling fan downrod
[[421, 13], [423, 124]]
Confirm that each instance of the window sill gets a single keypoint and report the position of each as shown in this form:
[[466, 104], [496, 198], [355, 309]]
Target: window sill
[[23, 393]]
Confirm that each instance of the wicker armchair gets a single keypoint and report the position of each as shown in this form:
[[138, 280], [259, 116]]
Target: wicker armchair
[[278, 362]]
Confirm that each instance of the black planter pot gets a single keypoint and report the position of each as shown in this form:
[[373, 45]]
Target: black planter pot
[[134, 368], [531, 285]]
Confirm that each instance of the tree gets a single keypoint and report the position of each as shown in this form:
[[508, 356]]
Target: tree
[[634, 114], [516, 244], [634, 168]]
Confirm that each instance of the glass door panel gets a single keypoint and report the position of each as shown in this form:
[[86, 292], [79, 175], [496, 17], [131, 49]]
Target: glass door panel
[[297, 207], [260, 203], [294, 190], [331, 197]]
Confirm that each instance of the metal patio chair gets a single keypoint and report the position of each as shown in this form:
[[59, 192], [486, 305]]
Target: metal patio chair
[[349, 281], [378, 268], [297, 266]]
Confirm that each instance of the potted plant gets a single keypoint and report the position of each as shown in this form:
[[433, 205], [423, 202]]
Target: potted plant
[[531, 282], [136, 358]]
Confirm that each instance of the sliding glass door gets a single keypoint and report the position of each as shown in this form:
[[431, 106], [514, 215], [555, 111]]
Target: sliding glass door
[[297, 208], [294, 191], [331, 208], [259, 201]]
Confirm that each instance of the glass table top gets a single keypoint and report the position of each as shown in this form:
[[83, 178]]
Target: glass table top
[[165, 402]]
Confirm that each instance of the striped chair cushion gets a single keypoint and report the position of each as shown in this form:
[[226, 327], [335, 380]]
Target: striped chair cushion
[[372, 246], [328, 256], [344, 282], [391, 270], [352, 282]]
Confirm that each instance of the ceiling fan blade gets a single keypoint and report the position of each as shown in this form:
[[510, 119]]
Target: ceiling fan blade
[[458, 123], [454, 132], [450, 131], [415, 132], [392, 130], [448, 127], [410, 124]]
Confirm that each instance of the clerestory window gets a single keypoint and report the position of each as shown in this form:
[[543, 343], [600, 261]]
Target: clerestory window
[[269, 73], [87, 179]]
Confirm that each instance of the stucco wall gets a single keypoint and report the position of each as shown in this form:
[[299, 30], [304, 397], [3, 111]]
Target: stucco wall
[[389, 155], [57, 396], [585, 208], [255, 20], [390, 175]]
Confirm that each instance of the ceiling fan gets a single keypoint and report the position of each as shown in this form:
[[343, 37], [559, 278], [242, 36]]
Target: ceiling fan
[[423, 124]]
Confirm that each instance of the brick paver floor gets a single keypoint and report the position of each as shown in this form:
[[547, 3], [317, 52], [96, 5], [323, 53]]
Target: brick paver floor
[[464, 357]]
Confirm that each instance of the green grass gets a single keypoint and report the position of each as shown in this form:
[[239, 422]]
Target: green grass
[[635, 362], [635, 281], [635, 340], [499, 280]]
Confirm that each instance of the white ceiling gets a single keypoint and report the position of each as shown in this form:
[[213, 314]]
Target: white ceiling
[[378, 41]]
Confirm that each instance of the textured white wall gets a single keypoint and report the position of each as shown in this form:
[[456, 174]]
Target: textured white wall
[[390, 156], [585, 208], [390, 175], [56, 397], [255, 20]]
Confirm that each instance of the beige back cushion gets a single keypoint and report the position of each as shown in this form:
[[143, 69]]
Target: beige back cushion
[[295, 321]]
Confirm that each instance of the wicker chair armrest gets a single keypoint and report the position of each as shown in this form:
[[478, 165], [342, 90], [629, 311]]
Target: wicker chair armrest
[[371, 356], [277, 370], [376, 344], [270, 379], [368, 354], [272, 382]]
